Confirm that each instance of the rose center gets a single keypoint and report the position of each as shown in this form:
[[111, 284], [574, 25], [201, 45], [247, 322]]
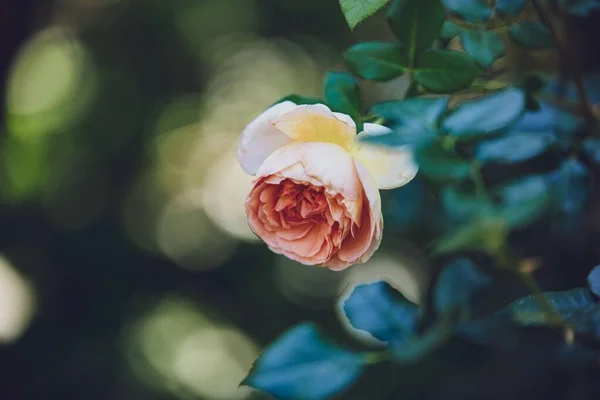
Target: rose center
[[299, 203]]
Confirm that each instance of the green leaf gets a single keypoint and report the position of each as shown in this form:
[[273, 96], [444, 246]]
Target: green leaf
[[533, 35], [382, 311], [416, 23], [514, 148], [425, 111], [483, 46], [356, 11], [525, 199], [303, 365], [470, 10], [441, 163], [377, 61], [572, 185], [591, 148], [461, 204], [444, 71], [594, 280], [413, 120], [299, 100], [510, 7], [342, 93], [457, 284], [486, 115], [450, 30], [570, 305]]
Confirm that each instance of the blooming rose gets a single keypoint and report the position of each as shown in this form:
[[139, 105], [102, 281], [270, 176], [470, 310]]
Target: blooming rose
[[316, 195]]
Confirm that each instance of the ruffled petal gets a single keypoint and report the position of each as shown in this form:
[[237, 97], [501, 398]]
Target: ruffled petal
[[320, 164]]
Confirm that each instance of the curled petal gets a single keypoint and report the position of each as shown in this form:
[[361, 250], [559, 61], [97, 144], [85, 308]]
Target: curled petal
[[360, 248], [260, 138], [374, 199], [390, 167], [321, 164]]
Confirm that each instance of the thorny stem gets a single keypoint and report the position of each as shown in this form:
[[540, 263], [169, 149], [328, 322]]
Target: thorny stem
[[585, 106]]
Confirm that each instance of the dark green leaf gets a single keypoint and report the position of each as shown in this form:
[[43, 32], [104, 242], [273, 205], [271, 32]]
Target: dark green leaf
[[457, 284], [525, 188], [533, 35], [572, 186], [591, 147], [406, 208], [594, 280], [441, 163], [525, 199], [413, 120], [377, 61], [299, 100], [383, 312], [303, 365], [483, 46], [510, 7], [550, 119], [416, 23], [450, 30], [357, 11], [342, 93], [575, 306], [486, 115], [444, 70], [471, 10], [514, 148], [462, 205], [425, 111]]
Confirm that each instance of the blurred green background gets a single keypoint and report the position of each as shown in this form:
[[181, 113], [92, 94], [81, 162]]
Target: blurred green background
[[127, 270]]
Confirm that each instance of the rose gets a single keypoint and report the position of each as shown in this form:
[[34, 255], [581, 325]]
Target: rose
[[316, 196]]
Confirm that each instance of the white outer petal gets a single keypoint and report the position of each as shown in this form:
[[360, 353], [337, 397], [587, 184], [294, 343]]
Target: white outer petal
[[260, 138], [390, 167]]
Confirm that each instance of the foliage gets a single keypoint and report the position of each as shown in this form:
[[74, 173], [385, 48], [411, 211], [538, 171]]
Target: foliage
[[502, 160]]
